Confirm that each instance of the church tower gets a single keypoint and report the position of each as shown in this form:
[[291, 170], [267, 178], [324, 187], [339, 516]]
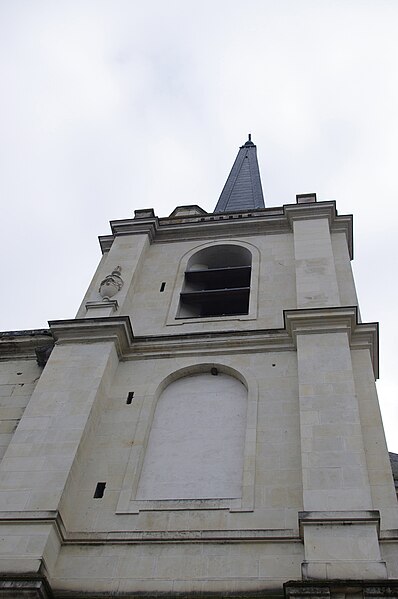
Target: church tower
[[208, 424]]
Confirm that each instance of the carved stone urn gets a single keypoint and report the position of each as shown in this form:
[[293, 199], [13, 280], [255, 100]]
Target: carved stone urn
[[112, 284]]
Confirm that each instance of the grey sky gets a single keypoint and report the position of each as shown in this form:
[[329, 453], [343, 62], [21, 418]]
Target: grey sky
[[109, 106]]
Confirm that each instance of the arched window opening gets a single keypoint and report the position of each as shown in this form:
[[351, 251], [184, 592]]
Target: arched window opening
[[217, 283]]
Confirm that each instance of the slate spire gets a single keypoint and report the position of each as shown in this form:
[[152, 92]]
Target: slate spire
[[243, 190]]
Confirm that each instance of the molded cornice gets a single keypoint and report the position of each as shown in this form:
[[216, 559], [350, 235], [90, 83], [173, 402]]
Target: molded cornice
[[23, 344], [304, 322], [225, 225], [95, 330], [118, 329], [126, 537], [342, 517]]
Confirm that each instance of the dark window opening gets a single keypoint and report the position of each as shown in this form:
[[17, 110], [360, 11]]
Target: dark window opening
[[162, 287], [99, 490], [217, 283], [130, 397]]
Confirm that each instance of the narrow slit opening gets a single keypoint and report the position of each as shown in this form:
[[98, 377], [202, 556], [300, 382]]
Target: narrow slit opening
[[99, 490], [130, 397], [162, 287]]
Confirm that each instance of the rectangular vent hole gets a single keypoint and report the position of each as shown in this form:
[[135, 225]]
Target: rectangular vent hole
[[162, 287], [130, 397], [99, 490]]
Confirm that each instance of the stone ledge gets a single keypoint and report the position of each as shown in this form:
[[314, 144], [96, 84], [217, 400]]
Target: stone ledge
[[128, 537], [343, 569], [339, 517], [118, 329], [302, 321], [94, 330], [257, 222], [23, 344], [312, 589]]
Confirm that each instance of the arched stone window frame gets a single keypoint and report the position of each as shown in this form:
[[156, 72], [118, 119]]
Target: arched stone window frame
[[173, 319], [127, 499]]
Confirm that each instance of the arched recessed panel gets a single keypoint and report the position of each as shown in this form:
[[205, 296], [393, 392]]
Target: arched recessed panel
[[196, 444]]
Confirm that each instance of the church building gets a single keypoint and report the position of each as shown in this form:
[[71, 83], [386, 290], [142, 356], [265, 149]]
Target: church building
[[208, 424]]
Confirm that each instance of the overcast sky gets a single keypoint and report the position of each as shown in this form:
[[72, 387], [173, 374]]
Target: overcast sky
[[109, 106]]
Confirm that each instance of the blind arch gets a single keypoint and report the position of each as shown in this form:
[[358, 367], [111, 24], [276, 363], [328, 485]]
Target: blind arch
[[195, 448]]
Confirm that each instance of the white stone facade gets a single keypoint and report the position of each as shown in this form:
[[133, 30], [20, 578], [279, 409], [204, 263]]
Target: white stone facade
[[229, 454]]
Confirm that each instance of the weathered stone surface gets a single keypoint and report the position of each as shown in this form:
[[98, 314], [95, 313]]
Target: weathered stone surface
[[281, 473]]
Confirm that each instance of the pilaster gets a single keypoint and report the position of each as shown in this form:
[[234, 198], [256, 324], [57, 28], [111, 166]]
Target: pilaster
[[316, 279], [38, 464], [339, 528]]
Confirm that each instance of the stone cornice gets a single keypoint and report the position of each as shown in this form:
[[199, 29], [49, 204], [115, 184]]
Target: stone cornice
[[334, 320], [340, 517], [94, 330], [196, 344], [347, 587], [304, 322], [125, 536], [23, 344], [118, 329], [228, 225]]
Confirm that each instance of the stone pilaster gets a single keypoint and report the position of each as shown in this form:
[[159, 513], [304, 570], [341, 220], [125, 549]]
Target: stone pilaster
[[339, 528], [316, 280], [39, 461]]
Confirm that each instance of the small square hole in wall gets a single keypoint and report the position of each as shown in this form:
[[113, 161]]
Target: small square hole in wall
[[99, 490], [130, 397]]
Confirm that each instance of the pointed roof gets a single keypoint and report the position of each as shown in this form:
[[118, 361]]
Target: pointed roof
[[243, 190]]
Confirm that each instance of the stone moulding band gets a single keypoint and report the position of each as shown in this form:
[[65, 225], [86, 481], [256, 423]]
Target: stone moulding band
[[95, 330], [23, 344], [341, 517], [100, 305], [128, 537], [325, 589], [118, 329], [37, 587], [297, 322], [269, 220]]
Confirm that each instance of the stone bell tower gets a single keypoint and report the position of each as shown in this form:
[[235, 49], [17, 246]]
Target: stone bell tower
[[208, 424]]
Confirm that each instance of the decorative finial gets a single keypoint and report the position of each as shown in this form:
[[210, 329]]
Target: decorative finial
[[250, 136]]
